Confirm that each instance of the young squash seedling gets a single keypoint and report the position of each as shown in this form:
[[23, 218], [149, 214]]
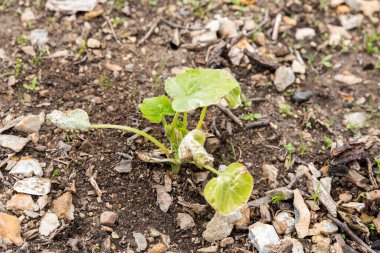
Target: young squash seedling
[[190, 90]]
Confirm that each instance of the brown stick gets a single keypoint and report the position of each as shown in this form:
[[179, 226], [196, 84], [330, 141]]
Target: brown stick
[[135, 136], [346, 248], [228, 112], [345, 228], [258, 123], [147, 35], [113, 31], [370, 173]]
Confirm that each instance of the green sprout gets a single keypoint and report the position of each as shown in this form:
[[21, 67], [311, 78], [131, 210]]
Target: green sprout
[[193, 89], [278, 198], [329, 142], [252, 116], [33, 86], [326, 61], [119, 4], [104, 81], [285, 109], [22, 40], [55, 173], [324, 5], [372, 227], [18, 67], [370, 43], [246, 102]]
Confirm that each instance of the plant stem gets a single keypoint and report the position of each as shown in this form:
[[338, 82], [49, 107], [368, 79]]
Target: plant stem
[[185, 119], [173, 126], [201, 118], [136, 131], [212, 170]]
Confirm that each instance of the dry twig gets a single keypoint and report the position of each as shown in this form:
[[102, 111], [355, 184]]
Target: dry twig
[[113, 31], [345, 228], [370, 173], [147, 35], [228, 112], [135, 136]]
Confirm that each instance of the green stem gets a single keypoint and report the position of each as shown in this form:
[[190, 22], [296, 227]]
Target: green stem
[[136, 131], [207, 167], [173, 126], [185, 119], [201, 118]]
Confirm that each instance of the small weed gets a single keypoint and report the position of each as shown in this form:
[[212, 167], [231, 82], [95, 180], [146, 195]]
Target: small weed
[[116, 22], [370, 43], [246, 102], [326, 61], [311, 59], [29, 25], [329, 142], [285, 109], [82, 50], [372, 227], [152, 2], [22, 40], [315, 195], [304, 148], [5, 3], [353, 128], [55, 173], [324, 5], [309, 125], [252, 116], [33, 86], [105, 81], [18, 67], [119, 4], [290, 149], [278, 198]]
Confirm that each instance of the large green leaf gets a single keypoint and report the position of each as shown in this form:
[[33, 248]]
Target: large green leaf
[[70, 120], [233, 98], [191, 149], [155, 109], [196, 88], [230, 190]]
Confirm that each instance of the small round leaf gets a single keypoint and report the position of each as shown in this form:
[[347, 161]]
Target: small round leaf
[[230, 190], [156, 108], [196, 88]]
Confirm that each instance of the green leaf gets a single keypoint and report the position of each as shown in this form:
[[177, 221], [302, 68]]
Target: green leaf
[[196, 88], [70, 120], [191, 149], [233, 98], [230, 190], [155, 109]]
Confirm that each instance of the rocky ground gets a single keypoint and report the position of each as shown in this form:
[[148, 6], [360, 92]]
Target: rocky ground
[[308, 131]]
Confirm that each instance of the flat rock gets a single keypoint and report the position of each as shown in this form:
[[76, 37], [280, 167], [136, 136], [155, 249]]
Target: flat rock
[[204, 38], [221, 226], [302, 215], [326, 227], [284, 77], [10, 228], [93, 43], [159, 248], [70, 6], [284, 223], [108, 218], [63, 206], [298, 67], [29, 50], [263, 235], [228, 28], [321, 244], [31, 123], [21, 201], [348, 79], [351, 21], [113, 67], [39, 37], [33, 186], [270, 172], [164, 200], [301, 96], [141, 242], [27, 168], [12, 142], [211, 249], [48, 224], [356, 119], [125, 166], [185, 221], [357, 206], [305, 33]]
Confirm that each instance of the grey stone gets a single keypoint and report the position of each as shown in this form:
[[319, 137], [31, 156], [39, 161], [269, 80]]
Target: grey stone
[[305, 33], [326, 227], [357, 206], [129, 68], [93, 43], [263, 235], [108, 218], [39, 37], [270, 172], [301, 96], [185, 221], [27, 168], [348, 79], [284, 77], [298, 67], [12, 142], [31, 123], [287, 220], [221, 226], [33, 185], [356, 119], [70, 6], [164, 199], [48, 224], [125, 166], [351, 21], [141, 242]]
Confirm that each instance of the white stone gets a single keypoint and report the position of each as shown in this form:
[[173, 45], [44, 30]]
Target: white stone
[[270, 172], [284, 77], [356, 119], [27, 15], [348, 79], [263, 235], [305, 33], [70, 6], [213, 25], [357, 206], [185, 221], [12, 142], [93, 43], [326, 227], [351, 21], [288, 219], [141, 242], [297, 67], [220, 226], [39, 37], [302, 215], [228, 28], [27, 168], [326, 183], [49, 223], [204, 38], [164, 199], [33, 186]]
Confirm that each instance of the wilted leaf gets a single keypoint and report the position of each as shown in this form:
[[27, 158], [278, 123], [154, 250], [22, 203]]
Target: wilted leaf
[[196, 88], [191, 149], [155, 109], [154, 157], [230, 190], [70, 120]]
